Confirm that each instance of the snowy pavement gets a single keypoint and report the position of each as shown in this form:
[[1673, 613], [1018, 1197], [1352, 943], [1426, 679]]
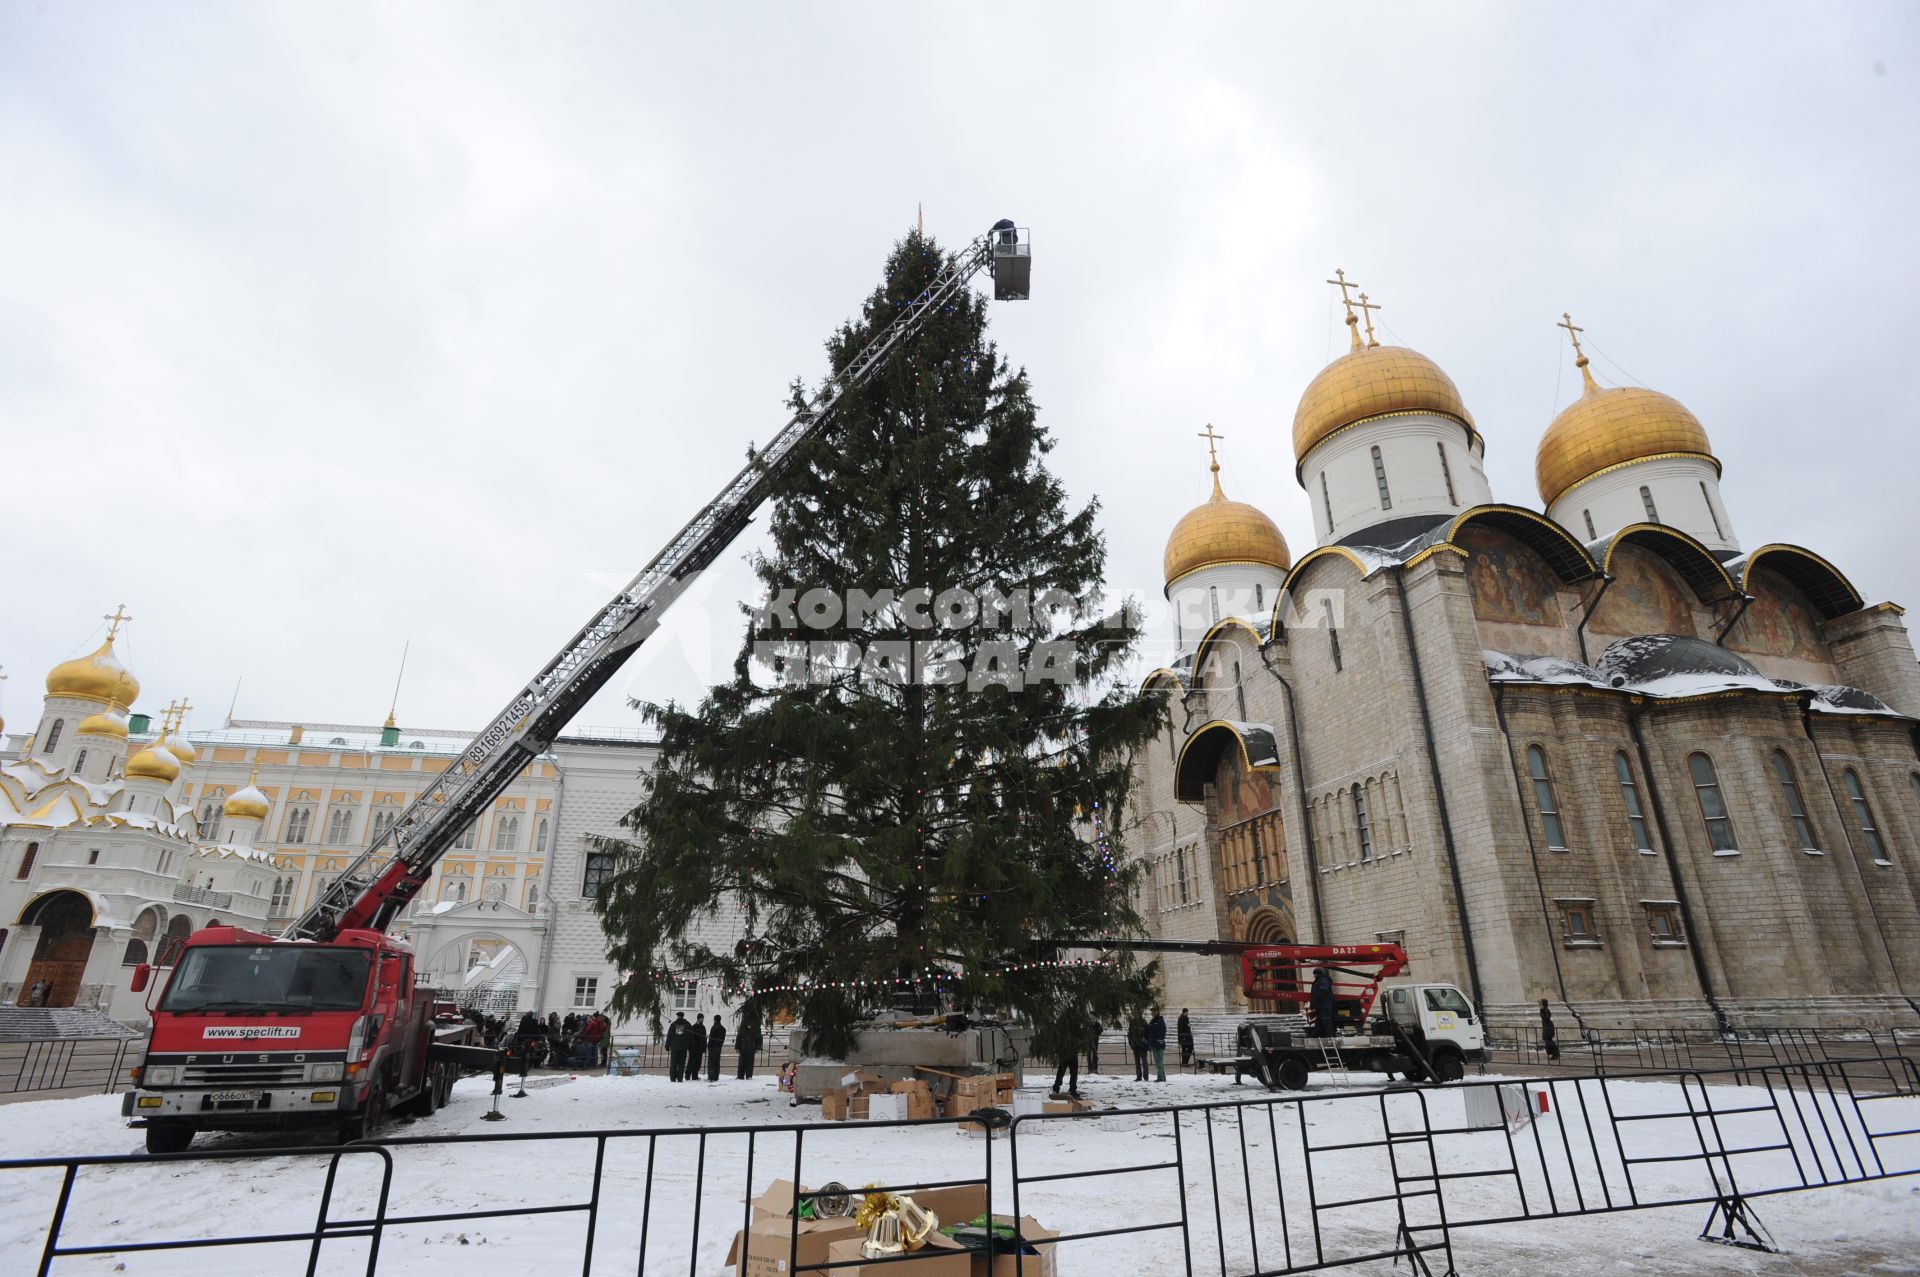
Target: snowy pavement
[[650, 1184]]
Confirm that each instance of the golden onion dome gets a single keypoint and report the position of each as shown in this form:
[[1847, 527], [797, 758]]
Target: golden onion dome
[[106, 723], [153, 764], [1369, 382], [95, 677], [1613, 427], [177, 745], [1222, 531], [248, 804]]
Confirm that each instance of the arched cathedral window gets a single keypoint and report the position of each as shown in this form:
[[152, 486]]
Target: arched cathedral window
[[1545, 799], [1863, 814]]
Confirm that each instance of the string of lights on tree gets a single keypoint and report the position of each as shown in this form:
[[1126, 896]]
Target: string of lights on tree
[[660, 975]]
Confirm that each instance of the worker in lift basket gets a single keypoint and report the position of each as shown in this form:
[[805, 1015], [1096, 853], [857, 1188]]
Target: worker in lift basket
[[1320, 1003]]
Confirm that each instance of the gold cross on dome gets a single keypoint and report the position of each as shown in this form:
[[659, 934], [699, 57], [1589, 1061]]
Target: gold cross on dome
[[1579, 355], [1341, 282], [1366, 310], [1213, 454], [117, 618], [180, 713]]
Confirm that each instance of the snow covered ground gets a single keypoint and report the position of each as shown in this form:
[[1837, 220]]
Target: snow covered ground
[[1848, 1229]]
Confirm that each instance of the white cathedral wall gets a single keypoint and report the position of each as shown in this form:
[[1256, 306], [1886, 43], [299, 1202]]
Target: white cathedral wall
[[1410, 450], [1201, 599], [1685, 492]]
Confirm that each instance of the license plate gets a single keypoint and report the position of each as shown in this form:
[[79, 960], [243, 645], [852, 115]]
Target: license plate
[[219, 1097]]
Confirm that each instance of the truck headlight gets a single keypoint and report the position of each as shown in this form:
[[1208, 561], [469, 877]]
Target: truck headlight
[[323, 1072], [160, 1075]]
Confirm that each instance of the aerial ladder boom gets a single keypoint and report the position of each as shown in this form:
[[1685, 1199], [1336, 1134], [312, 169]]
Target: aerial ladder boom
[[389, 873]]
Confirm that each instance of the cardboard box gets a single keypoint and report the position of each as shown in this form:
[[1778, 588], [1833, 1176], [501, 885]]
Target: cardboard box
[[920, 1107], [940, 1257], [1066, 1106], [969, 1201], [764, 1249], [888, 1107], [839, 1106]]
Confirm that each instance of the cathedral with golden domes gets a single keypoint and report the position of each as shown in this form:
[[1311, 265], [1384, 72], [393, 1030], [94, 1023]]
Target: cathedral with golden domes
[[1594, 751], [101, 863]]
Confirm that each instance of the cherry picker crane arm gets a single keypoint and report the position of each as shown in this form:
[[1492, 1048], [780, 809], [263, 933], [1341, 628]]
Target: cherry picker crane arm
[[1279, 972], [389, 873]]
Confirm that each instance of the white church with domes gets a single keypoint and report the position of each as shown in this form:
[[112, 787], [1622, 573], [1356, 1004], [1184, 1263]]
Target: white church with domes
[[1595, 751], [101, 866]]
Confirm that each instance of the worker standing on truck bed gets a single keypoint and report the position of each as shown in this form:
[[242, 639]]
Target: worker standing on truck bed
[[1320, 1002]]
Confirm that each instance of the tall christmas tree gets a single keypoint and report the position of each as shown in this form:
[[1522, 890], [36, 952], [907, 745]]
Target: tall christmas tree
[[906, 781]]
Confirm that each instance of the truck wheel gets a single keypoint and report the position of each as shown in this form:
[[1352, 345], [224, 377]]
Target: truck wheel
[[168, 1138], [1449, 1067], [1292, 1073]]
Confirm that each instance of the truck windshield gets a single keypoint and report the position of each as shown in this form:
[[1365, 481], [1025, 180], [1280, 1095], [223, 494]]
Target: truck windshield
[[268, 978], [1447, 1000]]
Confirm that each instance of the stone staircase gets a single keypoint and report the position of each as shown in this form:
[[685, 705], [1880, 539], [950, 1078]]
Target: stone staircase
[[48, 1024]]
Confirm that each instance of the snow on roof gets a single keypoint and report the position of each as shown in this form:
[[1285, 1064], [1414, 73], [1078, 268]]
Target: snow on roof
[[1658, 681]]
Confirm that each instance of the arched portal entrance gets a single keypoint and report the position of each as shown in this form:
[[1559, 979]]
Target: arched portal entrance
[[65, 919], [1272, 926]]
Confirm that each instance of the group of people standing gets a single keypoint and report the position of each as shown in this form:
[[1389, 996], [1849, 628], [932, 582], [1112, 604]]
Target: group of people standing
[[686, 1043], [578, 1041], [1144, 1038]]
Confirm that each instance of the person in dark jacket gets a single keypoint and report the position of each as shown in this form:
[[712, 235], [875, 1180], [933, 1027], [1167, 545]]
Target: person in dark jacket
[[1068, 1070], [1547, 1033], [746, 1044], [1093, 1046], [678, 1035], [1157, 1043], [1320, 1002], [1183, 1034], [1137, 1043], [716, 1039]]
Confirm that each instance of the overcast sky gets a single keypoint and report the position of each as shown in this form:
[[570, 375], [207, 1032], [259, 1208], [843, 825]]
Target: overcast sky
[[326, 327]]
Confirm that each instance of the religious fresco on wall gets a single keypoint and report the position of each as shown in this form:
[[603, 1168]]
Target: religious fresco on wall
[[1779, 622], [1647, 597], [1511, 584], [1240, 794]]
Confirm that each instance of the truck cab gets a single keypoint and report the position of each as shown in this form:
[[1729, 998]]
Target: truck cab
[[1439, 1018], [253, 1033]]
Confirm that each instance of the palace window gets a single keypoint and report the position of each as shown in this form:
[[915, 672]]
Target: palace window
[[533, 897], [1333, 632], [1326, 503], [340, 825], [1360, 822], [80, 762], [282, 898], [1180, 869], [1380, 478], [26, 859], [1663, 924], [465, 842], [209, 819], [1646, 499], [540, 837], [586, 992], [1259, 597], [383, 817], [686, 996], [298, 818], [1630, 794], [599, 869], [1711, 513], [1802, 828], [1591, 534], [1543, 797], [1446, 473], [53, 735], [1864, 815], [1576, 923], [506, 833], [1713, 805]]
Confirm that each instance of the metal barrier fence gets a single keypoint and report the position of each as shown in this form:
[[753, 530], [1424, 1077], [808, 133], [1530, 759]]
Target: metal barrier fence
[[1656, 1050], [1287, 1183], [68, 1064]]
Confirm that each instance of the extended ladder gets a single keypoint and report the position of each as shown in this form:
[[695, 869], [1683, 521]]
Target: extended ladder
[[384, 877]]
